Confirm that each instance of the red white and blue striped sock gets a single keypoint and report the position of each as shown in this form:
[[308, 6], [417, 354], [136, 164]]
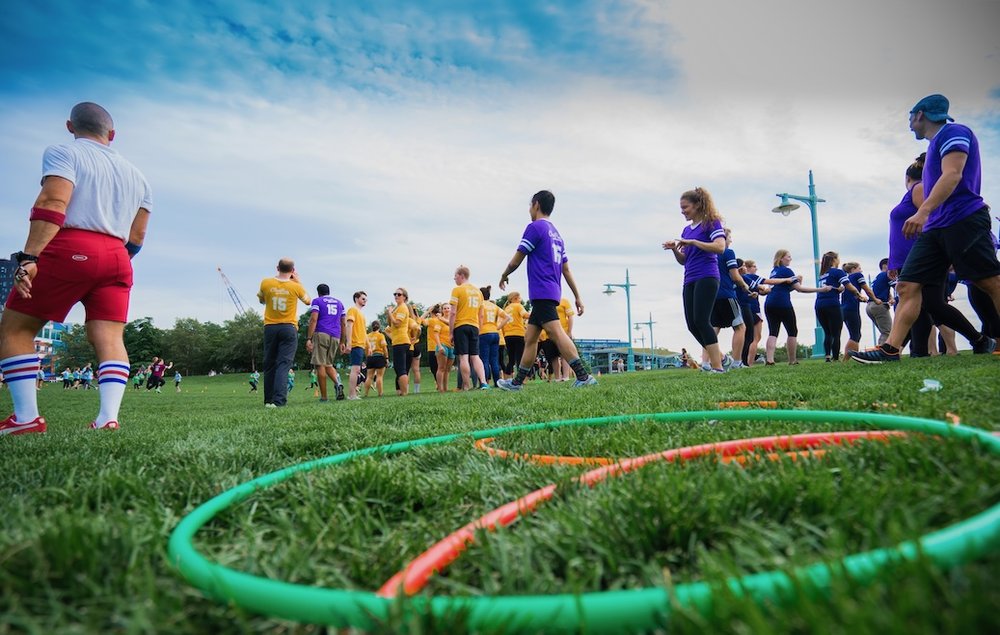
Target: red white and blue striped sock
[[112, 379], [19, 373]]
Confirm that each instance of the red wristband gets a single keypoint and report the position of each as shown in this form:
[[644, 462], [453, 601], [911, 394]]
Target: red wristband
[[48, 215]]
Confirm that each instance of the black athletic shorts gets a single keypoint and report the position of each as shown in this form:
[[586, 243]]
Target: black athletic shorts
[[543, 312], [466, 340], [967, 245], [376, 362], [726, 313]]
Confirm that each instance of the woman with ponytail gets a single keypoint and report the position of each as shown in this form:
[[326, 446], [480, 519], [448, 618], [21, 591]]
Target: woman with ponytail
[[697, 250]]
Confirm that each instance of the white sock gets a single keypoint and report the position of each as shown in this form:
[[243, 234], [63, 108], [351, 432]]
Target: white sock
[[112, 380], [19, 372], [416, 388]]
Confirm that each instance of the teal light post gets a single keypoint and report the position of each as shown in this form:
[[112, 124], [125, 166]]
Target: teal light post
[[652, 347], [609, 288], [787, 208]]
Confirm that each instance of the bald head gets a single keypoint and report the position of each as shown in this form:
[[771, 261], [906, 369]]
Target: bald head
[[90, 120]]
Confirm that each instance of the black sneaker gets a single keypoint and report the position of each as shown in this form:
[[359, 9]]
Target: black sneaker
[[985, 346], [340, 392], [874, 355]]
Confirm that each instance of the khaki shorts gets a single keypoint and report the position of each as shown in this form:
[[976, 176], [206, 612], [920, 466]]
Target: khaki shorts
[[325, 349]]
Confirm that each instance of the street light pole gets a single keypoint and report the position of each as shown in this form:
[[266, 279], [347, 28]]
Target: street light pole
[[785, 209], [652, 347], [608, 290]]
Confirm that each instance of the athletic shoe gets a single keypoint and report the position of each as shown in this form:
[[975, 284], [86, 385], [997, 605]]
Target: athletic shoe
[[727, 360], [736, 364], [875, 355], [324, 401], [985, 347], [589, 381], [110, 425], [270, 405], [354, 398], [9, 426], [485, 387], [717, 370], [340, 392], [509, 385], [705, 366]]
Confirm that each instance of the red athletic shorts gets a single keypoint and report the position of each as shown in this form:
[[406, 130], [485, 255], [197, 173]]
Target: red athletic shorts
[[79, 266]]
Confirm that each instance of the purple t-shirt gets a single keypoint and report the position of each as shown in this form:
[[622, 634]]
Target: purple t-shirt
[[900, 245], [965, 200], [546, 254], [698, 263], [330, 311]]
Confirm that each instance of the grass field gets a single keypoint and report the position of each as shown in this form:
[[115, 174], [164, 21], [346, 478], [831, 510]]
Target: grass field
[[87, 516]]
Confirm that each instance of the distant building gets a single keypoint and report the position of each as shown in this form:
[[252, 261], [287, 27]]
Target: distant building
[[7, 268], [49, 345], [600, 355]]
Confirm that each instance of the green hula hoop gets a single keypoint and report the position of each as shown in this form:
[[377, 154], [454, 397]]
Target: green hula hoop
[[612, 611]]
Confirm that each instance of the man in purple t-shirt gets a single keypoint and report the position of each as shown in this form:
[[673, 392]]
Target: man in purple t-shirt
[[542, 245], [952, 225], [326, 337]]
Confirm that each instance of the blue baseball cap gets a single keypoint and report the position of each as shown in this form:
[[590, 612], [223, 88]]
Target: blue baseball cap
[[934, 107]]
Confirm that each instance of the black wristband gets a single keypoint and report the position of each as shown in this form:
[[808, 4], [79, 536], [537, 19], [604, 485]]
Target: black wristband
[[21, 258]]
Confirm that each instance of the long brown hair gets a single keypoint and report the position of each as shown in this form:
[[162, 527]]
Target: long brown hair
[[705, 209], [827, 262]]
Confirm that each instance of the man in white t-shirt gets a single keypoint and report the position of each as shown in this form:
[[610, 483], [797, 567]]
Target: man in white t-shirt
[[88, 221]]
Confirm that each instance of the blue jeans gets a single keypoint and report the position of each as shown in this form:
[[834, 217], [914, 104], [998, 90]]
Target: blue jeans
[[489, 352]]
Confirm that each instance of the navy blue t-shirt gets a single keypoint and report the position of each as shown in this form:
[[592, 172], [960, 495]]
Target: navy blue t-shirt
[[880, 286], [835, 278], [781, 294], [849, 301], [727, 288]]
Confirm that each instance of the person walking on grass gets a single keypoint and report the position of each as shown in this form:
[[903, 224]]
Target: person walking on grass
[[177, 381], [88, 221], [325, 337], [466, 316], [358, 341], [280, 295], [548, 264], [697, 250], [948, 225]]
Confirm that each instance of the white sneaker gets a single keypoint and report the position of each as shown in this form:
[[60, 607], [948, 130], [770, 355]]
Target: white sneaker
[[736, 364], [727, 360]]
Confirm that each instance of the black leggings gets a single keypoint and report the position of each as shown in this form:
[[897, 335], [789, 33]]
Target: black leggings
[[401, 359], [831, 318], [515, 349], [748, 321], [778, 315], [983, 305], [935, 311], [699, 298]]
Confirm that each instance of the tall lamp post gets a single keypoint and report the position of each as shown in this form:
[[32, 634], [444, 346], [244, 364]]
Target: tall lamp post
[[609, 288], [787, 208], [652, 347]]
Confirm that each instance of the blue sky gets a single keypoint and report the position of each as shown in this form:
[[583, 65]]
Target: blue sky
[[382, 144]]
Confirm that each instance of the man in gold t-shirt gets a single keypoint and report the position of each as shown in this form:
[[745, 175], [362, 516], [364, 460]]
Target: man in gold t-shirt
[[280, 295], [466, 318]]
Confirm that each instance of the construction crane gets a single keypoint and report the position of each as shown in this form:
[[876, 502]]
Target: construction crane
[[241, 304]]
